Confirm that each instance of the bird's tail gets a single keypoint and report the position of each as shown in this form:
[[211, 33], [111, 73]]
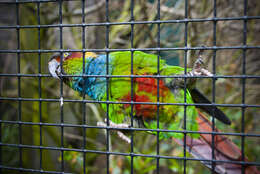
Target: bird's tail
[[225, 150]]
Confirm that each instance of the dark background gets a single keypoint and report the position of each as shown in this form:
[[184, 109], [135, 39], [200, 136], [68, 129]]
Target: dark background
[[230, 60]]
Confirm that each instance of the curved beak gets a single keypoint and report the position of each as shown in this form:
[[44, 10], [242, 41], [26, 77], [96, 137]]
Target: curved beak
[[54, 68]]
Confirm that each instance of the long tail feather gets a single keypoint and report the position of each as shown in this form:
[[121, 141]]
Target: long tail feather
[[198, 97], [225, 150]]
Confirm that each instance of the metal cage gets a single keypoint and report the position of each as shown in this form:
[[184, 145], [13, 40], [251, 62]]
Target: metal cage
[[39, 76]]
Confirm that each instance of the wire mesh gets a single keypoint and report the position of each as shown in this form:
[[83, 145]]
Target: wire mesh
[[39, 76]]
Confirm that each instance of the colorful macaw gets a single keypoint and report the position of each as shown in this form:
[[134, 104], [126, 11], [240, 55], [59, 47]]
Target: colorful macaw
[[144, 91]]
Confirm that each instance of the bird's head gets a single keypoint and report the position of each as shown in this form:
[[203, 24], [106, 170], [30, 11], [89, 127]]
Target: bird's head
[[55, 61], [54, 64]]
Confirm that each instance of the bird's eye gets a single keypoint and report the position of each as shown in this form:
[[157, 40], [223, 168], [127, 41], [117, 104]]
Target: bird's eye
[[66, 54]]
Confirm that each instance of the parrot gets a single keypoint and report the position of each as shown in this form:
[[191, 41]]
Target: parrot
[[134, 82]]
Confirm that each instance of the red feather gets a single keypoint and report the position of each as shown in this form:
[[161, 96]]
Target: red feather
[[149, 86]]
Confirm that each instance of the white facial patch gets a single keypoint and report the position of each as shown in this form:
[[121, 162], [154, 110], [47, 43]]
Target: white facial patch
[[54, 68]]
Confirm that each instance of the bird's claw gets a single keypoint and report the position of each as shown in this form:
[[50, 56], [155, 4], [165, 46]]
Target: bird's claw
[[124, 137], [115, 125], [198, 63], [198, 69]]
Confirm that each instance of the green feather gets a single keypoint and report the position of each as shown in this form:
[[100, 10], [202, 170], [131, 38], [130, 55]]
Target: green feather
[[171, 116]]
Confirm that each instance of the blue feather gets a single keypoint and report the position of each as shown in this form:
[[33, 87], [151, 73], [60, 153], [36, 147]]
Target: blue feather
[[95, 87]]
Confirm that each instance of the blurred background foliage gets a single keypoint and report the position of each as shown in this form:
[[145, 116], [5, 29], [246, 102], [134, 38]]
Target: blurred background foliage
[[228, 90]]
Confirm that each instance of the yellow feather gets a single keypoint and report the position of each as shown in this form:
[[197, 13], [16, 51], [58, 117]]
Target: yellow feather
[[90, 54]]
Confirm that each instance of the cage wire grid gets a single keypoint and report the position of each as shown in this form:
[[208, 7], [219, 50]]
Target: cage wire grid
[[107, 49]]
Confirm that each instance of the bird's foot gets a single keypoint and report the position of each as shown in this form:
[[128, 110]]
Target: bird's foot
[[123, 137], [115, 125], [198, 69]]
